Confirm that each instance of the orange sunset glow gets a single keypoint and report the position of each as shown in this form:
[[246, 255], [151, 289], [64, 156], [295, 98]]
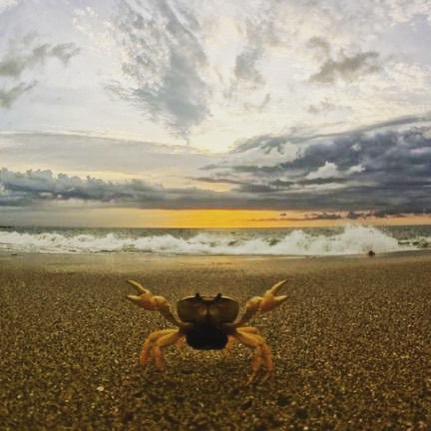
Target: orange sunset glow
[[256, 219], [209, 219]]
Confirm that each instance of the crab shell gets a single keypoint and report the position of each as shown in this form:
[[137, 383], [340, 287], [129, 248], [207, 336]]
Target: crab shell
[[207, 315]]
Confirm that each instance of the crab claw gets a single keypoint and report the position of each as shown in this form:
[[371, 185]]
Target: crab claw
[[145, 299], [150, 302], [138, 286], [270, 300]]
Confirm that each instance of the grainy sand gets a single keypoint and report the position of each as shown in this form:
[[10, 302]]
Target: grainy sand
[[351, 346]]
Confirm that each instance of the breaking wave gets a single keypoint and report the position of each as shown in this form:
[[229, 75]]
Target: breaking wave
[[350, 240]]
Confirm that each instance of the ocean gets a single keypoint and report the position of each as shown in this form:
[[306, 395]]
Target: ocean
[[351, 239]]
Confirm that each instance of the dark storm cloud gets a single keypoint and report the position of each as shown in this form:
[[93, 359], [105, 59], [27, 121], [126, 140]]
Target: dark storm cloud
[[385, 168], [351, 215], [347, 68], [324, 216], [42, 186], [165, 64]]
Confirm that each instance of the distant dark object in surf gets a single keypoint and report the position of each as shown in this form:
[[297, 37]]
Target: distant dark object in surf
[[371, 253]]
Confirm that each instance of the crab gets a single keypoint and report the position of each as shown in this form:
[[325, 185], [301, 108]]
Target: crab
[[208, 323]]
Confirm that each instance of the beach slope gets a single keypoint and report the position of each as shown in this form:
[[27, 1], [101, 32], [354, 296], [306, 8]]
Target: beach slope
[[350, 346]]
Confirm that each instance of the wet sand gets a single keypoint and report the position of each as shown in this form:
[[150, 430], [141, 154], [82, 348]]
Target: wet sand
[[351, 346]]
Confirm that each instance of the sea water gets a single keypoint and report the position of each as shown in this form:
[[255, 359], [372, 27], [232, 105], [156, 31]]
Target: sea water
[[337, 241]]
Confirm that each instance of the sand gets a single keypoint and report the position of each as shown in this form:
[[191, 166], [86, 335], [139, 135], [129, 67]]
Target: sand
[[351, 346]]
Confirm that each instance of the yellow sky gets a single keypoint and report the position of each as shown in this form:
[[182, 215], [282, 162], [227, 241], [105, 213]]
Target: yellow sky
[[74, 216], [158, 218]]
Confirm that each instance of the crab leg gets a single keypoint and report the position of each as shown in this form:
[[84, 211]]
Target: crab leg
[[155, 342], [264, 303], [147, 300], [262, 352], [232, 340]]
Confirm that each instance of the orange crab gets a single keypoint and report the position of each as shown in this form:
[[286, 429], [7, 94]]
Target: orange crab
[[208, 323]]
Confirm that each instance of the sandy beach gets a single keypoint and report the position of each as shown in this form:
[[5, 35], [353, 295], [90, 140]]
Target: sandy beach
[[351, 346]]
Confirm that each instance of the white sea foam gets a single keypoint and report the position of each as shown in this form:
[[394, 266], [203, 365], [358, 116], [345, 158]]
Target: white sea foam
[[354, 239]]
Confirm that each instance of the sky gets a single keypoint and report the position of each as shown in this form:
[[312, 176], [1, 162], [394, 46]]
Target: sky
[[153, 112]]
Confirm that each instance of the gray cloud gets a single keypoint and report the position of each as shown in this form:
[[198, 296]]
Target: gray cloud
[[324, 216], [9, 96], [385, 168], [353, 215], [64, 52], [348, 68], [36, 187], [95, 154], [23, 56], [261, 33], [165, 64], [320, 44], [28, 55], [245, 66]]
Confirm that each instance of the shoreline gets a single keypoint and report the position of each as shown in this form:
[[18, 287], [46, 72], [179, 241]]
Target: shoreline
[[29, 258], [350, 345]]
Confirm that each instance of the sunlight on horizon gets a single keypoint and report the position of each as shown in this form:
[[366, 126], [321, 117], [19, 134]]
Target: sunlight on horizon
[[195, 219], [251, 219]]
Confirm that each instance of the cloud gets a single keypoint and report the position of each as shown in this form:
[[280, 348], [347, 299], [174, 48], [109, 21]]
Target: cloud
[[381, 170], [36, 187], [245, 65], [9, 96], [24, 56], [213, 73], [64, 52], [43, 185], [7, 4], [321, 44], [403, 11], [164, 64], [328, 170], [105, 157], [384, 168], [28, 54], [172, 69], [348, 68]]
